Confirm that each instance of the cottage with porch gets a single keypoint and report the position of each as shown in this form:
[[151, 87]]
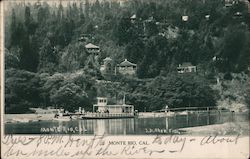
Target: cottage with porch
[[108, 66], [127, 68], [186, 67], [92, 49]]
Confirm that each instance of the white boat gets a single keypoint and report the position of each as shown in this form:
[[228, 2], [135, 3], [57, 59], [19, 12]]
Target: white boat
[[74, 117], [62, 118]]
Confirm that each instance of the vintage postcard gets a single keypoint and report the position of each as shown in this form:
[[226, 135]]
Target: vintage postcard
[[125, 79]]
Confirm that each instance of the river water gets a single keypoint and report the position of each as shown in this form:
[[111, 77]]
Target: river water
[[131, 126]]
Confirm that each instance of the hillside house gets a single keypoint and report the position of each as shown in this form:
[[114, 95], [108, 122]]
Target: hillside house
[[229, 3], [133, 18], [184, 18], [108, 66], [237, 15], [186, 67], [207, 16], [85, 37], [127, 68], [92, 49]]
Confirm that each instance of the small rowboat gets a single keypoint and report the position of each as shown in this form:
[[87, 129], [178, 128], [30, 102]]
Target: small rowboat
[[62, 118]]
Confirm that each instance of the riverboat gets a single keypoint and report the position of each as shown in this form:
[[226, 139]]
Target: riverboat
[[106, 116], [102, 110]]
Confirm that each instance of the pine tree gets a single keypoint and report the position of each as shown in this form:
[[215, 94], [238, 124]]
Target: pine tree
[[60, 11], [87, 8], [27, 18], [13, 29], [81, 16]]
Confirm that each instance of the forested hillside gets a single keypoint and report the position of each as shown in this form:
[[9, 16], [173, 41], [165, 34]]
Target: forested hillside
[[46, 63]]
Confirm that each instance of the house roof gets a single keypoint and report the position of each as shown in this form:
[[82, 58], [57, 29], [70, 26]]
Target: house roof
[[186, 64], [133, 16], [107, 59], [91, 46], [101, 98], [127, 63]]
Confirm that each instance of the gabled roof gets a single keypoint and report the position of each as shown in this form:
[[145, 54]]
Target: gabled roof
[[91, 46], [133, 16], [107, 59], [127, 63], [186, 64]]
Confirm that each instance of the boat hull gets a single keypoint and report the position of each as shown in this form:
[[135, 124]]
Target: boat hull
[[106, 117]]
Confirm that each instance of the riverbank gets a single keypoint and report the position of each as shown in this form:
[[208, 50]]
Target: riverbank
[[229, 128], [10, 117], [50, 116], [30, 117]]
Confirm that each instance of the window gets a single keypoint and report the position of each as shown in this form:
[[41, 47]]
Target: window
[[109, 67]]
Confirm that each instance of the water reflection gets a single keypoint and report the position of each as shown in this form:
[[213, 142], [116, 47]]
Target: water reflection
[[113, 126], [122, 126], [82, 126], [167, 124]]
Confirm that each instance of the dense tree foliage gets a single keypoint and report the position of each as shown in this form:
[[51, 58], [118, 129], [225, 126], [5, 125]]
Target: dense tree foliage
[[70, 97], [21, 90], [44, 33], [153, 94], [45, 42]]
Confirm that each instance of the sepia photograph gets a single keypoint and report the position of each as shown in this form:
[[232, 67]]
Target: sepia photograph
[[126, 68]]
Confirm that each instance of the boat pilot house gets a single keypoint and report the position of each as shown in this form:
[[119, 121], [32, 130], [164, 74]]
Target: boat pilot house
[[103, 107]]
